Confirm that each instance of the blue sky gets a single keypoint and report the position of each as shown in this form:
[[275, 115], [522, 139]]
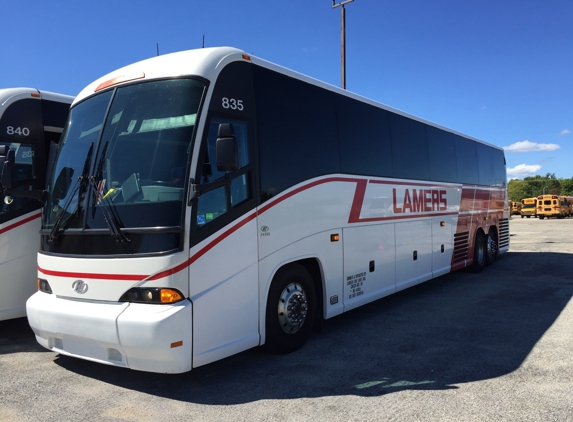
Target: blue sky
[[500, 71]]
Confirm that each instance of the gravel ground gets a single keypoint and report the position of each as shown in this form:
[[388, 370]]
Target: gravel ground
[[494, 346]]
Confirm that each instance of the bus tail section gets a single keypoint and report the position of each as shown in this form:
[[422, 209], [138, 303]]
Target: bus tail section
[[554, 206]]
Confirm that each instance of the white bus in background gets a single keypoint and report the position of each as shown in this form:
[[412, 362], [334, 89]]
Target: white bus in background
[[208, 201], [30, 121]]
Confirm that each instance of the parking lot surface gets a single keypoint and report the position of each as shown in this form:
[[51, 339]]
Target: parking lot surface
[[494, 346]]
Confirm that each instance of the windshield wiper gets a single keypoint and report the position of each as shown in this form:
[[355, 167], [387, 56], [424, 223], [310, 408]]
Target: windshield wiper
[[80, 185], [100, 196]]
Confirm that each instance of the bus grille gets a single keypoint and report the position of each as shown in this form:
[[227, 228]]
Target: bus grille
[[503, 233], [460, 246]]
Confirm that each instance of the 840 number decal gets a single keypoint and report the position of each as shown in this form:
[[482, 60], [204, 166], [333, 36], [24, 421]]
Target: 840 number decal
[[23, 131], [232, 103]]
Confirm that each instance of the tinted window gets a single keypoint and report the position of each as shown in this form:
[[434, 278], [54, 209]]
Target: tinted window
[[466, 156], [364, 133], [296, 131], [499, 168], [411, 159], [442, 149], [486, 164]]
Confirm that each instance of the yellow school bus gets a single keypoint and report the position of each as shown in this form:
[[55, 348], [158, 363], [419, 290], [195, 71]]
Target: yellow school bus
[[529, 207], [553, 206], [515, 208]]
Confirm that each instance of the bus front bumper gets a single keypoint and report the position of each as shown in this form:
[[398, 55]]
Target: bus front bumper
[[153, 338]]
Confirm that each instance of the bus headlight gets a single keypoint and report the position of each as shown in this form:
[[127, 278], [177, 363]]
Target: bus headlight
[[155, 295]]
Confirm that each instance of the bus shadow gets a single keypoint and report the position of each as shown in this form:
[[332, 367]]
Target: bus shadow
[[17, 336], [456, 329]]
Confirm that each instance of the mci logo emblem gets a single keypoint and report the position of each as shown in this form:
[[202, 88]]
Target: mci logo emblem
[[80, 286]]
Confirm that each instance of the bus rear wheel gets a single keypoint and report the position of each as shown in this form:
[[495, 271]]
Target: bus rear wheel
[[491, 248], [291, 308], [479, 253]]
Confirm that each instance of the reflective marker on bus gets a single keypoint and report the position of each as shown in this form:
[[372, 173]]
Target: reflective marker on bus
[[30, 121], [208, 201]]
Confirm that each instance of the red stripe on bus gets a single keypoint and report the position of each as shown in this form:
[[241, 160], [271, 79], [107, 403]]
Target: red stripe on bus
[[354, 213], [203, 251], [91, 276], [20, 223], [356, 208], [404, 217], [306, 187]]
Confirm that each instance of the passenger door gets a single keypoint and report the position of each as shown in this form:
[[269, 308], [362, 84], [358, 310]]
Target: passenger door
[[224, 254]]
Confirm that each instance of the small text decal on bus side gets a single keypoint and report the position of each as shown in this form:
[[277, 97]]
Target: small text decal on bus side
[[355, 283]]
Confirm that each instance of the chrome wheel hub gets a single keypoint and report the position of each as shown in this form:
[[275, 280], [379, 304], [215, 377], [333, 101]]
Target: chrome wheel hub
[[292, 309]]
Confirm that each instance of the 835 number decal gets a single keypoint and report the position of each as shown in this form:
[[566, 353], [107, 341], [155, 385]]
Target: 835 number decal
[[232, 103]]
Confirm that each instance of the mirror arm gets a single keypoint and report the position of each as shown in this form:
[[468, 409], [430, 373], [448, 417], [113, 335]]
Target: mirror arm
[[39, 195], [195, 190]]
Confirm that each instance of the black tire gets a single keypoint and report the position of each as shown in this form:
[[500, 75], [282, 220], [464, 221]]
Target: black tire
[[541, 217], [287, 329], [491, 248], [522, 216], [479, 253]]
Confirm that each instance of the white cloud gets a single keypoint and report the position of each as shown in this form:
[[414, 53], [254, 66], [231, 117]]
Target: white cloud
[[523, 170], [526, 146], [564, 132]]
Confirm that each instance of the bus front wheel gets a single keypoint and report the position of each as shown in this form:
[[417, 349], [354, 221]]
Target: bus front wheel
[[291, 307], [479, 253]]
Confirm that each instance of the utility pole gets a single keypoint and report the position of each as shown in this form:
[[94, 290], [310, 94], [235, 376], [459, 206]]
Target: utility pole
[[342, 37]]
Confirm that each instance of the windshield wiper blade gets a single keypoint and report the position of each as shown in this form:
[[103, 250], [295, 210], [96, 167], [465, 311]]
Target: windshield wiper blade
[[100, 196], [80, 185], [108, 209]]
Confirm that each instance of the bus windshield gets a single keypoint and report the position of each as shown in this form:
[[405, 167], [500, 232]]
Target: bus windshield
[[123, 149]]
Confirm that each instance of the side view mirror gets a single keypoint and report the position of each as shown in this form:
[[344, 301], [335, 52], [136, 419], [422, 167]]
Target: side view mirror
[[226, 148]]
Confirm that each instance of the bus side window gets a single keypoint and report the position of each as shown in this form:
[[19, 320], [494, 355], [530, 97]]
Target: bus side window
[[217, 202]]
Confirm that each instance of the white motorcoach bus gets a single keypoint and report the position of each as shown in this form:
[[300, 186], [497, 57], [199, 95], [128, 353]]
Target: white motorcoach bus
[[30, 121], [206, 202]]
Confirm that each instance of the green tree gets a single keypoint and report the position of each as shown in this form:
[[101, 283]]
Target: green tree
[[548, 184], [518, 189], [566, 186]]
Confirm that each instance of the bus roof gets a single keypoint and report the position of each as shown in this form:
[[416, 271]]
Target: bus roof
[[9, 95], [208, 62]]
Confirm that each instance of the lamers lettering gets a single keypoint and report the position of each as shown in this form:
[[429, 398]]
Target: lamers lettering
[[420, 200]]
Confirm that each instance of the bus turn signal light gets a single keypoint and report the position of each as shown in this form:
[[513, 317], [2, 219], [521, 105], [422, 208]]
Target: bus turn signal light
[[170, 296], [44, 286]]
